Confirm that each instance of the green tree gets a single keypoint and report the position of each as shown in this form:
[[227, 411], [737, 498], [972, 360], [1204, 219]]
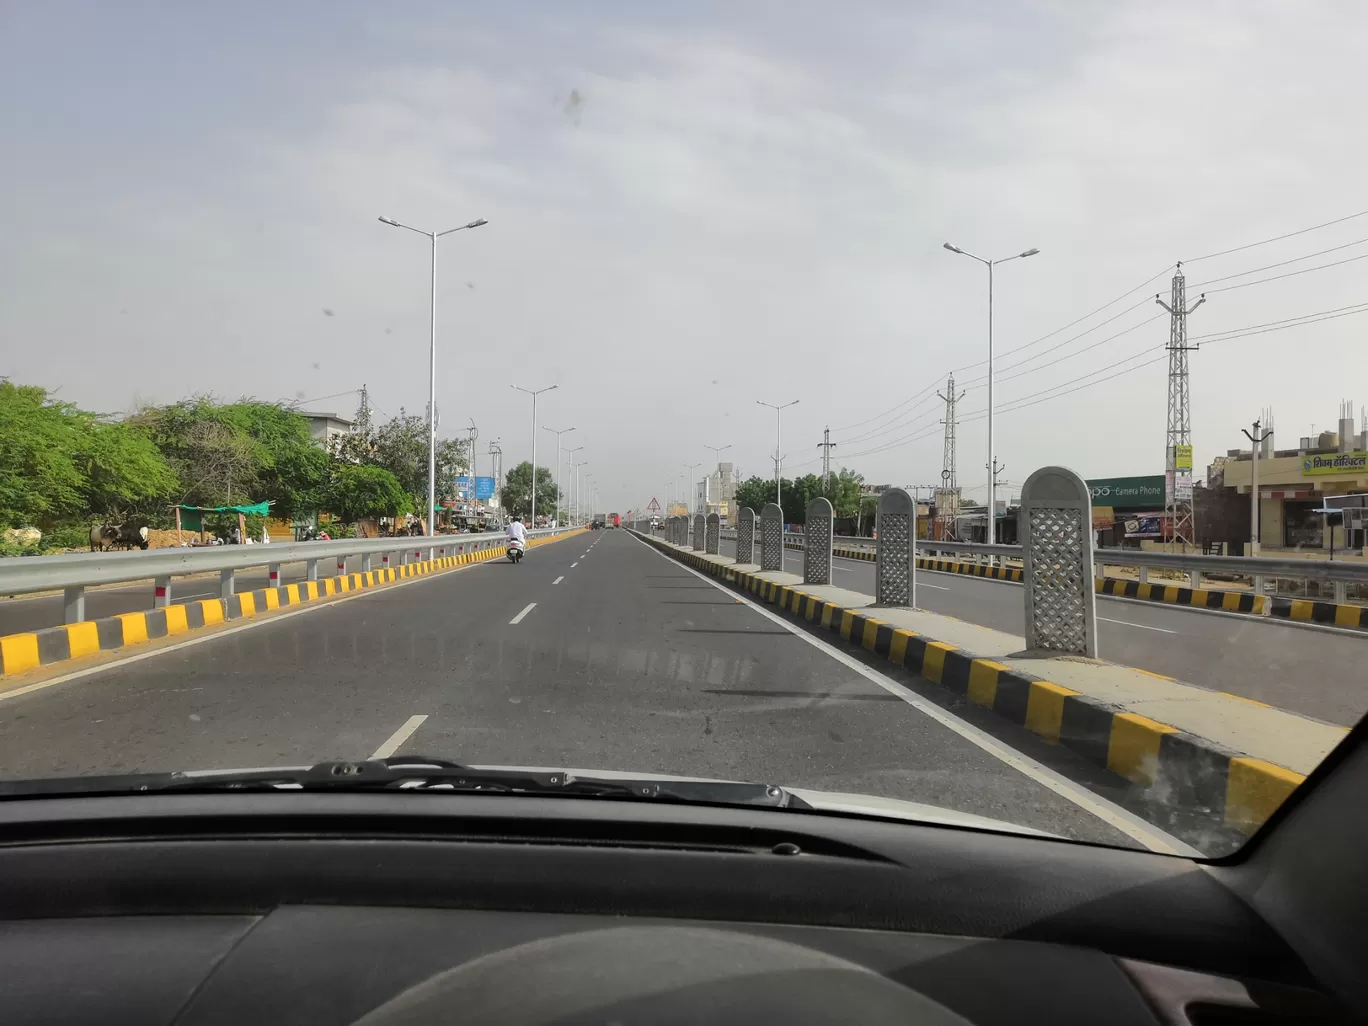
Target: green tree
[[755, 492], [517, 490], [60, 464], [356, 491], [400, 445]]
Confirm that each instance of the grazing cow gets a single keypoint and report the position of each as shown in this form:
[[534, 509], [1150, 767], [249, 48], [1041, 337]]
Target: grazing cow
[[106, 536], [131, 537], [102, 537]]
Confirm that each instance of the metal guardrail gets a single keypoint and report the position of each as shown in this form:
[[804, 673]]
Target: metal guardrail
[[74, 572]]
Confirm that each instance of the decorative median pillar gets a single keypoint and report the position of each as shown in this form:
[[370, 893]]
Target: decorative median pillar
[[700, 525], [895, 549], [713, 535], [745, 535], [817, 542], [1057, 550], [771, 537]]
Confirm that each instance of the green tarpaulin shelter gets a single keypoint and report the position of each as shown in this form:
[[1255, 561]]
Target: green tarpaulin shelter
[[192, 517]]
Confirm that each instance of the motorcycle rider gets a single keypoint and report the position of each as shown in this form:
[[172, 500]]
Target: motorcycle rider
[[516, 531]]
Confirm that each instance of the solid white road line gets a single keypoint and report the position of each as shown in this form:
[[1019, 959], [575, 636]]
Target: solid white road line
[[526, 609], [399, 737], [1126, 822], [1142, 626], [574, 564], [923, 584], [558, 580]]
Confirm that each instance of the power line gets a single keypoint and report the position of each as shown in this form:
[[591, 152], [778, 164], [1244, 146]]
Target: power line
[[1290, 274], [1285, 320], [1283, 327], [1079, 352], [1277, 238], [1280, 263]]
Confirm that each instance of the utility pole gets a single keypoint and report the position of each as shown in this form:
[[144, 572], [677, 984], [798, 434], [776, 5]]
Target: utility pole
[[693, 507], [778, 446], [1178, 441], [948, 507], [826, 445], [496, 465], [471, 469], [1255, 440]]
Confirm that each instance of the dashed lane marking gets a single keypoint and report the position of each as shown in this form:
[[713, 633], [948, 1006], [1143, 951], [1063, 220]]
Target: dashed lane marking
[[399, 737], [526, 609]]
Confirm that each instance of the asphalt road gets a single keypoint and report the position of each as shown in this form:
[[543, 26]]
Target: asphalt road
[[1313, 672], [596, 652]]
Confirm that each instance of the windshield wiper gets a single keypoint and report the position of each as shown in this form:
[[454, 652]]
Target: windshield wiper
[[413, 773]]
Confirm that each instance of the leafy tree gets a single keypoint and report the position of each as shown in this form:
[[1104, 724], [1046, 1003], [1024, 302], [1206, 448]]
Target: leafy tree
[[755, 492], [400, 445], [358, 491], [60, 464], [517, 490]]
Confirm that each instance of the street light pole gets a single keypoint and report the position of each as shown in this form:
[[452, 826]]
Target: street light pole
[[992, 471], [534, 393], [559, 497], [573, 506], [717, 453], [693, 508], [432, 361], [778, 446], [1255, 439]]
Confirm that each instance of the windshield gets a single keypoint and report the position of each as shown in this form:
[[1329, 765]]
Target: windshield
[[903, 411]]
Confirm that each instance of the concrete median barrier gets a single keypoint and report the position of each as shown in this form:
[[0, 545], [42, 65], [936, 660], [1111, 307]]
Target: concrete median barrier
[[1217, 762]]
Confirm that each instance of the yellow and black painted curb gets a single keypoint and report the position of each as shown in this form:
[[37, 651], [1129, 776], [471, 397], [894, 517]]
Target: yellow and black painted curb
[[1224, 788], [32, 649], [1201, 598], [1338, 614]]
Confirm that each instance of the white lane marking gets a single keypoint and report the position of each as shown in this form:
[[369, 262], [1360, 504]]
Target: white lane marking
[[311, 607], [574, 564], [938, 587], [1142, 626], [1126, 822], [399, 737], [526, 609], [558, 579]]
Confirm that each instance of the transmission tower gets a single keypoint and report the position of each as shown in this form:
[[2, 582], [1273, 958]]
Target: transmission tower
[[1178, 442], [948, 496], [826, 445]]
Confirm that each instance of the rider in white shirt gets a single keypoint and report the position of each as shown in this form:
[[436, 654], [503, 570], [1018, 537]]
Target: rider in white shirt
[[517, 532]]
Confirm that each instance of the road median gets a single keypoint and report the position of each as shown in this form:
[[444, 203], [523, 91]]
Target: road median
[[1203, 761]]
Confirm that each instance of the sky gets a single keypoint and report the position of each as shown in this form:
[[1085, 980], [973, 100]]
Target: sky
[[691, 210]]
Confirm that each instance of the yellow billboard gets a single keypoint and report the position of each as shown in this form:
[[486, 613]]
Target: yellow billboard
[[1335, 463], [1182, 457]]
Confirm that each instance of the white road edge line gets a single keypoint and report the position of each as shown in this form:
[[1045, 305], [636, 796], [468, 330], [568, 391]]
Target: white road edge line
[[399, 737], [1126, 822], [526, 609], [558, 579], [138, 657], [1142, 626]]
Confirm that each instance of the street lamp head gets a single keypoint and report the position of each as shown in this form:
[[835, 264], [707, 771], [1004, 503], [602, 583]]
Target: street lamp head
[[1030, 252], [390, 220], [476, 224], [953, 249]]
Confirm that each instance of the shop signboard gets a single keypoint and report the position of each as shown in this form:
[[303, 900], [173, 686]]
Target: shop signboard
[[1182, 457], [1142, 493], [1319, 464]]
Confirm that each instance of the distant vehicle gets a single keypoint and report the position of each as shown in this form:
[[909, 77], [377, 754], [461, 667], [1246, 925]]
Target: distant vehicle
[[614, 520]]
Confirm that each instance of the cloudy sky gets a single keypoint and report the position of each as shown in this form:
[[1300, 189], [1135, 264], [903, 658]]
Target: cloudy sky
[[690, 209]]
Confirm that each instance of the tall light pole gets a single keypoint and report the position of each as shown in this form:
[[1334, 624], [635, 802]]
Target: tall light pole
[[559, 497], [573, 507], [432, 362], [691, 468], [579, 490], [1255, 440], [532, 519], [778, 444], [992, 470]]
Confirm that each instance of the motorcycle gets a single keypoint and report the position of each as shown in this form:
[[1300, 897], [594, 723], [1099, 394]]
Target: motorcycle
[[515, 550]]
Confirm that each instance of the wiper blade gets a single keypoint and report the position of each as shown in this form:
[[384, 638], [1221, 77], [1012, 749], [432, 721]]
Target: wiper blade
[[416, 773]]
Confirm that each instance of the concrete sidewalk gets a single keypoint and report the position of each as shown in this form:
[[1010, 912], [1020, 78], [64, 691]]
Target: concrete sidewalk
[[1230, 759]]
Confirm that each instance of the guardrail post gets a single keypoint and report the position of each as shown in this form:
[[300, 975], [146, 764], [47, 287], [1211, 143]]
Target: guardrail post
[[1194, 579], [311, 569], [73, 604], [226, 583], [745, 535], [1341, 592], [366, 563], [1057, 550], [273, 575], [771, 537], [384, 560], [712, 537], [699, 527], [161, 591], [895, 549], [817, 542], [1144, 575], [341, 565]]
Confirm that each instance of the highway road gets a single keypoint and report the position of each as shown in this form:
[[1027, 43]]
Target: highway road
[[1314, 672], [596, 652]]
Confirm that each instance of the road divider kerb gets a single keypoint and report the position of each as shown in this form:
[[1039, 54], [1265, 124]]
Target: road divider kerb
[[1228, 789], [31, 650]]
